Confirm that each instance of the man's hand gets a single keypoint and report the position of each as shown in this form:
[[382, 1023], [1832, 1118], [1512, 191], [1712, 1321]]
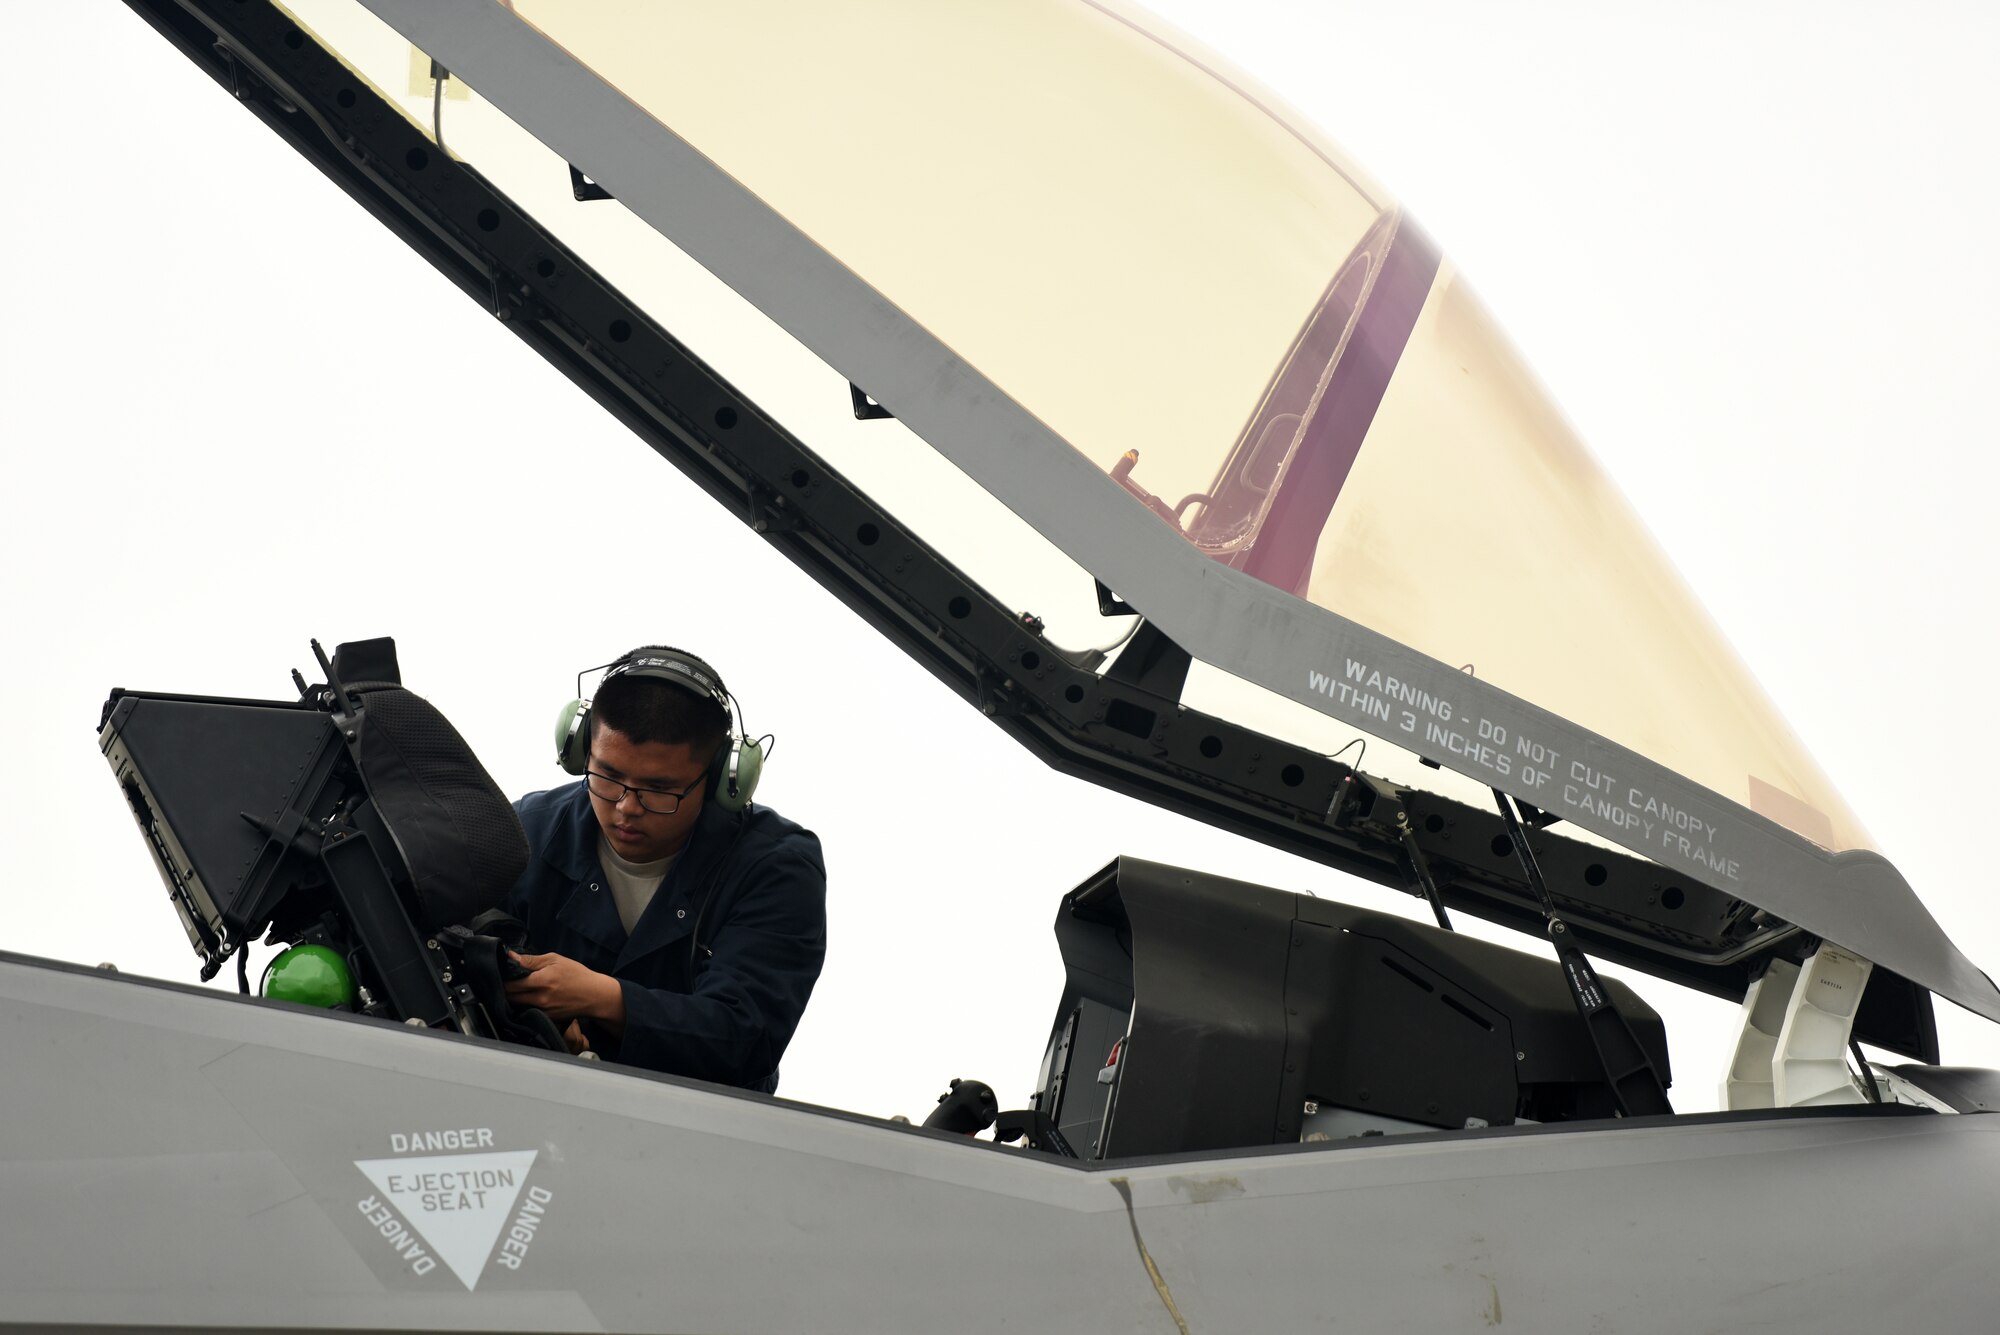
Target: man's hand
[[573, 1036], [568, 991]]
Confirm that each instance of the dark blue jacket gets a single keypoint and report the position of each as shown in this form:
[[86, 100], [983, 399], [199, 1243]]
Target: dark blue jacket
[[763, 936]]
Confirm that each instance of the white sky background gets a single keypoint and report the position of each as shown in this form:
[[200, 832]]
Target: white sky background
[[1748, 247]]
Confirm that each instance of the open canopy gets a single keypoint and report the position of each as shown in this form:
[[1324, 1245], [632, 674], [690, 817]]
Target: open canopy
[[1191, 351]]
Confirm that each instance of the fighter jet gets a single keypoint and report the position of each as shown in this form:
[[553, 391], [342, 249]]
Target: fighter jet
[[1181, 373]]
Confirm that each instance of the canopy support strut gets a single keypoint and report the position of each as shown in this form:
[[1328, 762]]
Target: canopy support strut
[[1635, 1084], [1420, 869]]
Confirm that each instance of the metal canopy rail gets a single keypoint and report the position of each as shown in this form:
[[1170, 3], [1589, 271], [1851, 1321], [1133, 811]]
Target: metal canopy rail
[[1112, 730]]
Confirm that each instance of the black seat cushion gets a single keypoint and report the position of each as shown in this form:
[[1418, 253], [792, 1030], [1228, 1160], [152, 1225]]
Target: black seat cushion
[[457, 831]]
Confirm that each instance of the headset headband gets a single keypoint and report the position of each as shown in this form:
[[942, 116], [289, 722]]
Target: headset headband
[[665, 663]]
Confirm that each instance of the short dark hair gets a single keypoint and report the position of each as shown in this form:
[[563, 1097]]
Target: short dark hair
[[647, 709]]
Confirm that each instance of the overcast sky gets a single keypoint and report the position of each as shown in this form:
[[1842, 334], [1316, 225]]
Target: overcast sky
[[1746, 246]]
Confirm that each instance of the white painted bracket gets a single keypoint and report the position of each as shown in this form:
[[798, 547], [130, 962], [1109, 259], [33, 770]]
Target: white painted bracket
[[1792, 1050], [1748, 1082], [1810, 1068]]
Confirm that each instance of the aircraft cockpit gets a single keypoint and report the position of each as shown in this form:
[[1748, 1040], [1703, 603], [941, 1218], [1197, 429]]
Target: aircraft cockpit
[[355, 828]]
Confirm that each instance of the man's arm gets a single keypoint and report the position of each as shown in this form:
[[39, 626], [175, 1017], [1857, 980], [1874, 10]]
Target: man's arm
[[768, 945], [568, 991]]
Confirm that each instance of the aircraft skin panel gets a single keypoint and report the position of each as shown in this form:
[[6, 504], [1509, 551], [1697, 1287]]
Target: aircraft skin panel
[[233, 1162], [1224, 617]]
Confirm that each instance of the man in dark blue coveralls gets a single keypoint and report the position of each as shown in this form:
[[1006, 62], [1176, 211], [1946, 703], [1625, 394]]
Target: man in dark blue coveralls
[[675, 925]]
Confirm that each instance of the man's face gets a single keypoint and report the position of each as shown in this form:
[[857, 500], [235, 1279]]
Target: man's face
[[636, 834]]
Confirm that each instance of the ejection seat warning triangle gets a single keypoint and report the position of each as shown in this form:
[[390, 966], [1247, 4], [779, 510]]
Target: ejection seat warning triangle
[[457, 1203]]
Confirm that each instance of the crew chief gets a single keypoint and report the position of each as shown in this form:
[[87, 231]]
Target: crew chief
[[673, 924]]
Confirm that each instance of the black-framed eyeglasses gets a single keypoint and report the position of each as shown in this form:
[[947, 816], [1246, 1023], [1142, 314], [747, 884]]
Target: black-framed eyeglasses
[[659, 801]]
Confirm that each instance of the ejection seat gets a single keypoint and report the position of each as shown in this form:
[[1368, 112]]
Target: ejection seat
[[355, 820]]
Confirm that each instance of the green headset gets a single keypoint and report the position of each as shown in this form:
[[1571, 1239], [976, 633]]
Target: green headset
[[738, 762]]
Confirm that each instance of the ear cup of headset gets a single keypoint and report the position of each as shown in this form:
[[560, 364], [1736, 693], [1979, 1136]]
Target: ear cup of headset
[[573, 737], [739, 762], [738, 767]]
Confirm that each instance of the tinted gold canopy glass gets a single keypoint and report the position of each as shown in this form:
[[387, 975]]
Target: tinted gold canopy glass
[[1211, 304]]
